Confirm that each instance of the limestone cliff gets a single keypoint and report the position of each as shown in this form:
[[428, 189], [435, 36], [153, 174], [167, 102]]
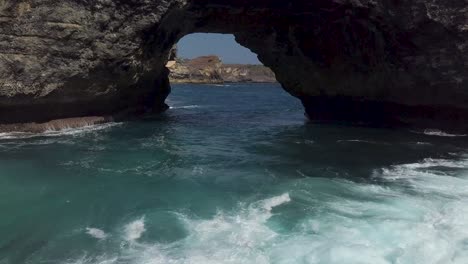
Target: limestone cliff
[[369, 61], [238, 73], [210, 69], [204, 69]]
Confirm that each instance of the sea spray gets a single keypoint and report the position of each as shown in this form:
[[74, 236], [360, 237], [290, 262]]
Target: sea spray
[[96, 233], [438, 133], [58, 133], [235, 182], [134, 230]]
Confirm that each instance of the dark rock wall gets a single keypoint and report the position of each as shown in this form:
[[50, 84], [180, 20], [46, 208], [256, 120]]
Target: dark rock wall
[[75, 58], [381, 61]]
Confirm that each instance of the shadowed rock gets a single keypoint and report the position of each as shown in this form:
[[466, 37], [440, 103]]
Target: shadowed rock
[[56, 125], [375, 62]]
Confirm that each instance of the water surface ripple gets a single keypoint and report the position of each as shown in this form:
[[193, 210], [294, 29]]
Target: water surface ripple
[[233, 174]]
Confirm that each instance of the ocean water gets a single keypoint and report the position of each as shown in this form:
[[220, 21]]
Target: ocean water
[[233, 174]]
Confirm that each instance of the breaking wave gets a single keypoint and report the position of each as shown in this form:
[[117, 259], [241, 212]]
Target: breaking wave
[[58, 133], [225, 238], [96, 233], [419, 217], [134, 230], [185, 107], [439, 133]]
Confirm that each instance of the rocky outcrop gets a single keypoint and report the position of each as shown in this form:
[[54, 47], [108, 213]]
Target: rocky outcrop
[[56, 125], [378, 62], [205, 69], [211, 70], [240, 73]]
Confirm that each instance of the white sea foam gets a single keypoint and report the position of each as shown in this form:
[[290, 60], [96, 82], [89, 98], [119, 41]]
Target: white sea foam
[[439, 133], [221, 85], [422, 221], [225, 238], [14, 135], [241, 237], [104, 259], [134, 230], [185, 107], [58, 133], [305, 142], [425, 224], [361, 141], [425, 177], [96, 233], [422, 143], [271, 203], [429, 162]]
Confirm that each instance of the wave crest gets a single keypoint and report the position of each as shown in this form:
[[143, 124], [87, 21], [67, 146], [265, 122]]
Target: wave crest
[[58, 133], [438, 133], [134, 230]]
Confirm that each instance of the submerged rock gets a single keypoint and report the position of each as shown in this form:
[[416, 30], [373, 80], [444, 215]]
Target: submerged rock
[[384, 62]]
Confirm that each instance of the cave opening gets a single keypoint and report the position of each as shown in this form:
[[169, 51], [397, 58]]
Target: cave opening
[[211, 74], [215, 58]]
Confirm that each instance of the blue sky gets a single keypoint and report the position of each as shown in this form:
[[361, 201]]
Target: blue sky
[[223, 45]]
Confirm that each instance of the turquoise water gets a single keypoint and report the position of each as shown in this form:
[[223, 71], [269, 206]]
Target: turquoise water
[[233, 174]]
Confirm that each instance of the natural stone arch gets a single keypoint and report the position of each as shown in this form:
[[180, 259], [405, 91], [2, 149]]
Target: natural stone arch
[[365, 61]]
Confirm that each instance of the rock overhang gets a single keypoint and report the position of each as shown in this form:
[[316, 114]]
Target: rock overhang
[[380, 61]]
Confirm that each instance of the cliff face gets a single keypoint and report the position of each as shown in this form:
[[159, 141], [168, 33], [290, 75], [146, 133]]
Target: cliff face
[[379, 61], [210, 69], [238, 73], [204, 69]]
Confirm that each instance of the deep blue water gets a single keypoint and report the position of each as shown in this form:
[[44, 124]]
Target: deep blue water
[[233, 174]]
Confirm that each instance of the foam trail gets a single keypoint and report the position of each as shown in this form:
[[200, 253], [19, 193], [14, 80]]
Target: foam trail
[[58, 133], [439, 133], [429, 162], [271, 203], [420, 221], [104, 259], [236, 237], [96, 233], [15, 135], [185, 107], [134, 230], [424, 177]]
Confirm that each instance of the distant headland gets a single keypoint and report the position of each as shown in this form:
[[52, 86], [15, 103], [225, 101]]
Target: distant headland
[[210, 69]]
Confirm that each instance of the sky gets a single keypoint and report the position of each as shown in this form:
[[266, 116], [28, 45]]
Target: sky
[[223, 45]]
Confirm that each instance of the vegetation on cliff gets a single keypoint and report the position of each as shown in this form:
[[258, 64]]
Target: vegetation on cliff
[[210, 69]]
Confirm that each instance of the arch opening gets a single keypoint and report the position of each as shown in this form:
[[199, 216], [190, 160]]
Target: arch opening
[[212, 73], [207, 58], [349, 70], [345, 60]]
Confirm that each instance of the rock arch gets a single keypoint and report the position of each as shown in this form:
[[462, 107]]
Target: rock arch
[[378, 62]]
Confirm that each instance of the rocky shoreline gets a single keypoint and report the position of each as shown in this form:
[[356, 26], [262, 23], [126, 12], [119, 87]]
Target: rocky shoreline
[[403, 62], [55, 125], [211, 70]]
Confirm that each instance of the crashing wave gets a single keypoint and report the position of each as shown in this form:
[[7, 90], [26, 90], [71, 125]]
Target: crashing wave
[[225, 238], [96, 233], [58, 133], [185, 107], [439, 133], [134, 230]]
